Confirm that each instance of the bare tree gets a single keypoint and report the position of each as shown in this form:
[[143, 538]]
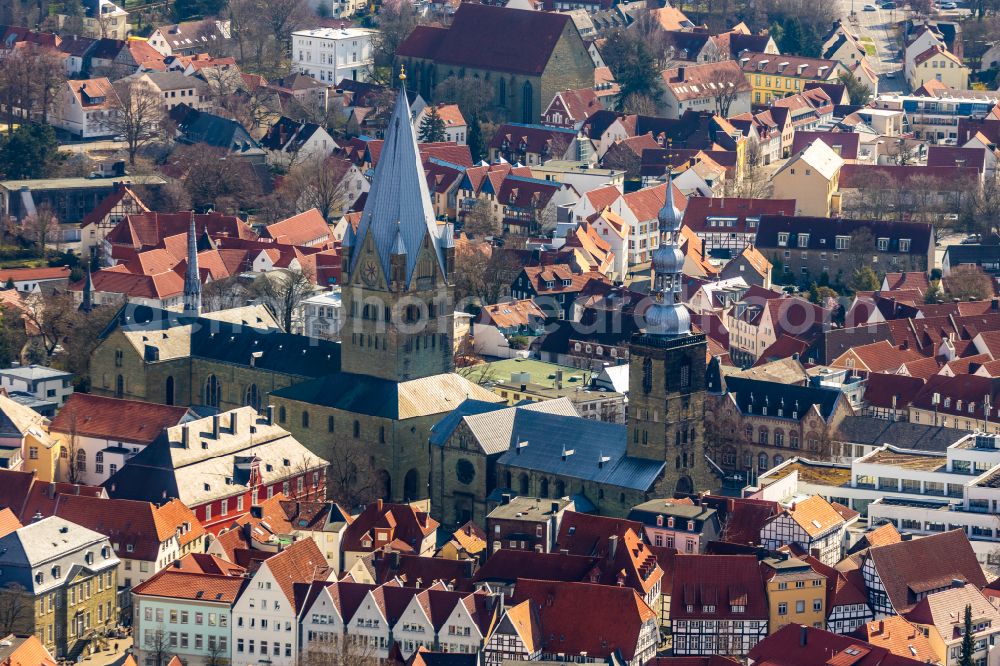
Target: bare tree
[[54, 316], [396, 20], [729, 85], [216, 655], [484, 273], [968, 283], [224, 294], [283, 291], [340, 652], [16, 609], [352, 477], [644, 105], [482, 220], [157, 648], [41, 228], [319, 182], [212, 180], [901, 152], [137, 115]]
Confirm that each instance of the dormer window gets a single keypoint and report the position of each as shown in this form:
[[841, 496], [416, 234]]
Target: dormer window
[[690, 526], [567, 283], [803, 240], [659, 521], [670, 522], [883, 244], [904, 244], [57, 572], [549, 284], [782, 239]]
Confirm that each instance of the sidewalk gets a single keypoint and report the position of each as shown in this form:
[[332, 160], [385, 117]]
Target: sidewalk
[[110, 657]]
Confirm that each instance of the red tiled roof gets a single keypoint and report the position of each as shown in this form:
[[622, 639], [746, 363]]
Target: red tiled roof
[[8, 522], [701, 211], [924, 564], [511, 314], [203, 563], [897, 635], [580, 103], [402, 521], [26, 496], [573, 632], [944, 156], [302, 229], [647, 202], [722, 581], [173, 584], [799, 645], [701, 81], [491, 38], [302, 562], [44, 273], [136, 529], [881, 388], [132, 421], [865, 176], [883, 356], [844, 144]]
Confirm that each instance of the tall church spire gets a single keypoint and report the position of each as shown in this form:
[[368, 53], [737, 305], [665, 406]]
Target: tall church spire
[[192, 278], [399, 204], [88, 293], [666, 316]]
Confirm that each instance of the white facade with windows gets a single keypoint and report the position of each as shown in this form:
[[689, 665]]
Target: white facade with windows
[[265, 628], [333, 54]]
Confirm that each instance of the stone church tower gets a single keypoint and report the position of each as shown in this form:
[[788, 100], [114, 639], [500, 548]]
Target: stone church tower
[[667, 374], [398, 296]]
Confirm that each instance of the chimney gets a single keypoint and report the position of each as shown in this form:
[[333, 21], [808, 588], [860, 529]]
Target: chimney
[[803, 635], [680, 74], [505, 499], [186, 436], [256, 511], [555, 507], [215, 426], [270, 415], [995, 304], [612, 546], [234, 422], [177, 564]]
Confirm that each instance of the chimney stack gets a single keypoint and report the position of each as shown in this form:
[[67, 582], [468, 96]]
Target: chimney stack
[[270, 415], [612, 546], [215, 426], [803, 635], [505, 499], [186, 436]]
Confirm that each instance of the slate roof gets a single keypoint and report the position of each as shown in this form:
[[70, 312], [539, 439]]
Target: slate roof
[[491, 38], [203, 127], [398, 212], [361, 394], [823, 232], [45, 539], [598, 451], [276, 351], [844, 144], [493, 424], [876, 432], [753, 396]]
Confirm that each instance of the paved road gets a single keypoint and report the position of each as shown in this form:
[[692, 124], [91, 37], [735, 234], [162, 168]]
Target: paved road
[[93, 146], [881, 27]]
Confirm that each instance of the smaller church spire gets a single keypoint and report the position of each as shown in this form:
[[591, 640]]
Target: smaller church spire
[[192, 278], [88, 293]]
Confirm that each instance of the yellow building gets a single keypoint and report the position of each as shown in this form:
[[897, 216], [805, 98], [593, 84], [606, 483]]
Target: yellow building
[[42, 455], [796, 593], [775, 76], [937, 63], [812, 178]]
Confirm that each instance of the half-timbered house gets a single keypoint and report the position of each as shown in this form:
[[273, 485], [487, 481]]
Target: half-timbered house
[[812, 524]]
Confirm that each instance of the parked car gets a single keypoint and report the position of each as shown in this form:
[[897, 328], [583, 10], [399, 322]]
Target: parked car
[[888, 5], [948, 5], [869, 8]]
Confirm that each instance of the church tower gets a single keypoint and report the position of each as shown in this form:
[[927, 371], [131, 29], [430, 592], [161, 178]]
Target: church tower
[[398, 296], [667, 373], [192, 278]]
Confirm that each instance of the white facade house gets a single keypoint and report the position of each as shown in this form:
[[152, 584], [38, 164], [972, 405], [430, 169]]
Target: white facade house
[[369, 627], [266, 623], [86, 108], [812, 525], [44, 383], [333, 54], [321, 315]]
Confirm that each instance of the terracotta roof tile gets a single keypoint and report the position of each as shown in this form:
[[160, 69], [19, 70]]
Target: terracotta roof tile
[[173, 584], [132, 421]]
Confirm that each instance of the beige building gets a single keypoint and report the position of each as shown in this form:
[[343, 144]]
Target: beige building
[[936, 63], [796, 593], [812, 178]]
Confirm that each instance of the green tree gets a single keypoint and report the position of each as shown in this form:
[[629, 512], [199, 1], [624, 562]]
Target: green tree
[[968, 642], [934, 294], [819, 293], [859, 93], [864, 279], [474, 139], [633, 66], [432, 128], [187, 9], [31, 151]]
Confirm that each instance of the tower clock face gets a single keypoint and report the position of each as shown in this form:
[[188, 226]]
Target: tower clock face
[[369, 271]]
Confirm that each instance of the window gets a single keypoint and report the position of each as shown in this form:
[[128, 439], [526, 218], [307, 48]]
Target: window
[[843, 242], [305, 419], [800, 606], [803, 240], [213, 391], [782, 608], [783, 236], [251, 397], [882, 244]]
